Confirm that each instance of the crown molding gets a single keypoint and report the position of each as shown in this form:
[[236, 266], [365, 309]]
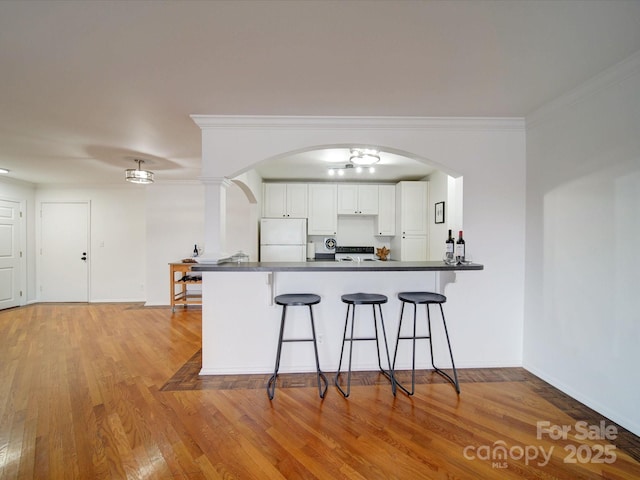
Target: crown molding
[[221, 181], [270, 122], [615, 74]]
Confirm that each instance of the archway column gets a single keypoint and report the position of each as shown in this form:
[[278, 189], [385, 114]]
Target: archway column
[[215, 210]]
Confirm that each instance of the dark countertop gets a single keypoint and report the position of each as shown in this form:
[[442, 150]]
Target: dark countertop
[[333, 266]]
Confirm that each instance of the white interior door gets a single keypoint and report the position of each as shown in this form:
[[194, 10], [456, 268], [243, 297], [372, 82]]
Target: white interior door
[[64, 254], [9, 254]]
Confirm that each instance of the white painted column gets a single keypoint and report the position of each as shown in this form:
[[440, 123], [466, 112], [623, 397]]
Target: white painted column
[[215, 211]]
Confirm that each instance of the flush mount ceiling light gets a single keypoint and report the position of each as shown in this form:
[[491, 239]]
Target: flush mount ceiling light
[[136, 175], [340, 171], [364, 156]]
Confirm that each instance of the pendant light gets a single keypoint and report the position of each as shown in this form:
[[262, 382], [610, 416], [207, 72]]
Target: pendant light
[[137, 175]]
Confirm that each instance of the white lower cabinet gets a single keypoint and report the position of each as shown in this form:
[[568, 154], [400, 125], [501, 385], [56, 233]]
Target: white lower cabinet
[[413, 248]]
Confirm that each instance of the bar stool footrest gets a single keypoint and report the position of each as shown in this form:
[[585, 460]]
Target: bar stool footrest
[[271, 385]]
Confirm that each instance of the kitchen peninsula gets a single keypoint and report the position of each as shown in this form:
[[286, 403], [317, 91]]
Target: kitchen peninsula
[[240, 322]]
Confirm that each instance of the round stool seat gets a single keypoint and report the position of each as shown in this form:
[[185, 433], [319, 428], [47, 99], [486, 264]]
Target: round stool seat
[[421, 297], [296, 299], [364, 298]]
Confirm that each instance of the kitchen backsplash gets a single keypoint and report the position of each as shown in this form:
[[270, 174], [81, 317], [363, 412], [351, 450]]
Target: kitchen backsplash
[[354, 231]]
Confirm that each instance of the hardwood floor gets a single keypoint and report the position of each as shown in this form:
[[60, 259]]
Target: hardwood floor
[[111, 391]]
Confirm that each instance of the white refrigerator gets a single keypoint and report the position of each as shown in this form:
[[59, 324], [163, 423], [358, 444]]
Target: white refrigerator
[[283, 239]]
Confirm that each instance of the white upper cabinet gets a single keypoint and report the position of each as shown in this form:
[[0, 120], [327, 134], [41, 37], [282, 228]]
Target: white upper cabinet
[[274, 200], [322, 208], [386, 211], [412, 198], [347, 199], [297, 199], [411, 242], [284, 200], [357, 199]]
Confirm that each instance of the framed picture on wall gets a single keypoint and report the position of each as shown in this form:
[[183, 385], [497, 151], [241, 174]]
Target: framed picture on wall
[[439, 212]]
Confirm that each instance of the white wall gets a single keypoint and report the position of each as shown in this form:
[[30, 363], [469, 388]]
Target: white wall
[[136, 231], [242, 219], [117, 238], [480, 303], [582, 324], [174, 216], [243, 213]]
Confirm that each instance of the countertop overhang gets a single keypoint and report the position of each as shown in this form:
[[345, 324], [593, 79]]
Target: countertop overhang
[[332, 266]]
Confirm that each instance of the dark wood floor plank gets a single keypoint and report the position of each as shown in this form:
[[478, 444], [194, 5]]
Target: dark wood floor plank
[[106, 391]]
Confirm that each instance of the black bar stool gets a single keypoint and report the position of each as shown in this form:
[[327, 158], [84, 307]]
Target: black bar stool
[[372, 299], [290, 300], [423, 298]]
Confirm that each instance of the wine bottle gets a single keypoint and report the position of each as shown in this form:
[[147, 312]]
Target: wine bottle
[[195, 250], [460, 246], [450, 248]]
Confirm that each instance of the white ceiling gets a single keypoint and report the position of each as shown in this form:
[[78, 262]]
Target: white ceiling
[[85, 87], [315, 165]]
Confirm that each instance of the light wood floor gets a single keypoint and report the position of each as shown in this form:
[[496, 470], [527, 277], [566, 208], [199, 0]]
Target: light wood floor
[[109, 391]]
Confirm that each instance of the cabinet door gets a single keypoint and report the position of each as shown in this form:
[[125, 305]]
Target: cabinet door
[[357, 199], [413, 208], [386, 210], [347, 199], [414, 248], [297, 200], [274, 200], [323, 212], [368, 199]]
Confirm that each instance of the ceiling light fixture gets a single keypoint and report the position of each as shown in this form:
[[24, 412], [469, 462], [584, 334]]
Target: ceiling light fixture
[[364, 156], [4, 170], [136, 175], [340, 171]]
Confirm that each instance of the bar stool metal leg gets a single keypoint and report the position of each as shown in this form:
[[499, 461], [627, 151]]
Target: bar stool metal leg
[[364, 299], [299, 300], [344, 340], [320, 376], [446, 334], [415, 298], [271, 384], [389, 374], [413, 338]]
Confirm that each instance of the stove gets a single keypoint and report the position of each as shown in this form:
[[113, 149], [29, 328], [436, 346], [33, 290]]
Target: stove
[[355, 254]]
